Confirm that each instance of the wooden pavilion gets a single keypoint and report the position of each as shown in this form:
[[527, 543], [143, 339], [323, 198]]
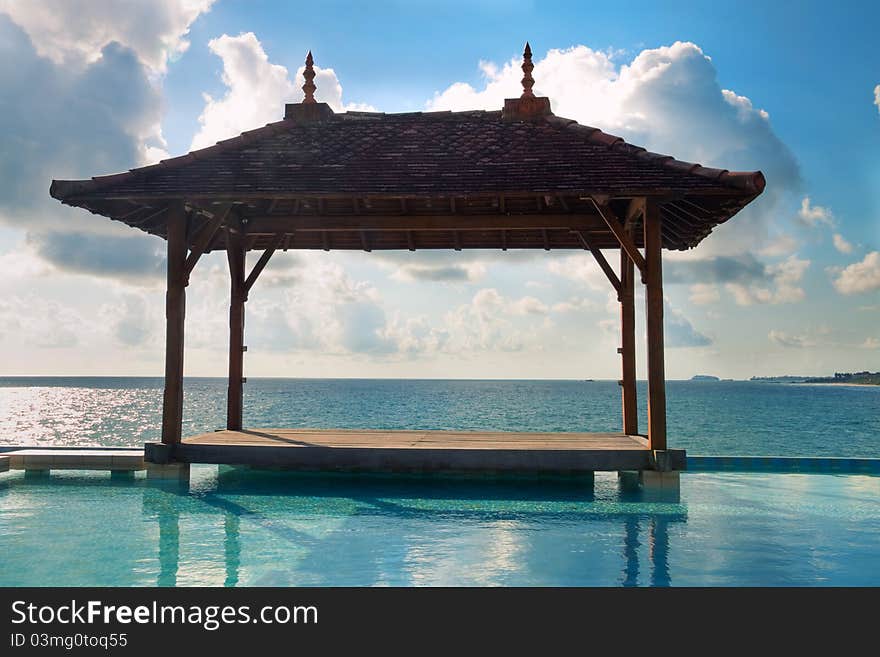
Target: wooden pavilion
[[516, 178]]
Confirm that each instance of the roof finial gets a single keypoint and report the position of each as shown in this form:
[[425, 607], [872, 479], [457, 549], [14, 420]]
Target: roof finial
[[309, 74], [528, 81]]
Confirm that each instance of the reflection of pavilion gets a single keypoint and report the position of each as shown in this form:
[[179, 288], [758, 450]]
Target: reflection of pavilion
[[505, 507]]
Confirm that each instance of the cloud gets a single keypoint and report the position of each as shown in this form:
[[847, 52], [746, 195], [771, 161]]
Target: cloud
[[75, 32], [714, 269], [781, 284], [877, 97], [449, 273], [871, 343], [467, 266], [489, 322], [863, 276], [39, 323], [788, 340], [133, 321], [815, 215], [704, 293], [256, 90], [842, 244], [574, 304], [135, 257], [71, 123], [748, 279], [321, 308], [679, 332], [781, 245], [581, 268], [666, 99]]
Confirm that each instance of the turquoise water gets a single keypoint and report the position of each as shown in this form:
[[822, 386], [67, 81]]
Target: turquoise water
[[245, 528], [234, 527], [734, 418]]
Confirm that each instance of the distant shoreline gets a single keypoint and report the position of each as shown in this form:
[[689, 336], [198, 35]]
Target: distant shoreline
[[829, 383]]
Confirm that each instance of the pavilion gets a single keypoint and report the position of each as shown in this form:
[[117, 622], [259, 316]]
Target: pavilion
[[516, 178]]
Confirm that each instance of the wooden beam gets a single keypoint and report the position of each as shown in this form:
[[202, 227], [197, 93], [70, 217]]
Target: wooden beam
[[203, 240], [261, 263], [235, 252], [634, 210], [654, 311], [148, 218], [286, 223], [628, 345], [603, 263], [175, 314], [625, 241]]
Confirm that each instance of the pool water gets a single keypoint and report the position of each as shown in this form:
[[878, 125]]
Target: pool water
[[249, 528]]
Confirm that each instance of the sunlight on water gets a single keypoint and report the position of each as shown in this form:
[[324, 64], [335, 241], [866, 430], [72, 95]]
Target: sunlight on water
[[247, 528], [704, 418]]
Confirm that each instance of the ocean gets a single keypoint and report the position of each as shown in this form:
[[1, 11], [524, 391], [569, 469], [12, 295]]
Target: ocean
[[705, 418]]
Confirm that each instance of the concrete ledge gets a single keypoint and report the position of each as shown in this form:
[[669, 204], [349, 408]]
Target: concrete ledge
[[653, 480], [58, 459], [168, 471], [784, 464], [669, 460], [158, 452]]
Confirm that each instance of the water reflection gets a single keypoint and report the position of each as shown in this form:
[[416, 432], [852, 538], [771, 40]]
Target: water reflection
[[324, 530]]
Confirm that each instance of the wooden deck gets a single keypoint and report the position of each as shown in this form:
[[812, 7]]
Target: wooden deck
[[420, 451]]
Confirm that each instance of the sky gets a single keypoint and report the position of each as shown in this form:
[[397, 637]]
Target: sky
[[791, 285]]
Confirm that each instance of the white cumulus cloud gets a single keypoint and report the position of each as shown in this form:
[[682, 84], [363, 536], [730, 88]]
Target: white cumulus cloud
[[256, 90], [782, 284], [666, 99], [841, 244], [863, 276], [815, 215], [74, 32]]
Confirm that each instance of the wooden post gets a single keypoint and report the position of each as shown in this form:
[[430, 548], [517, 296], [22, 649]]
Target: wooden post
[[175, 312], [235, 252], [654, 313], [628, 344]]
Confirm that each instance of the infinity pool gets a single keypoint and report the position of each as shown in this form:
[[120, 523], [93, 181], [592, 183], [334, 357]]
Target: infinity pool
[[240, 528]]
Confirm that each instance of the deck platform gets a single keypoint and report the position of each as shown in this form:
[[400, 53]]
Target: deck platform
[[425, 451]]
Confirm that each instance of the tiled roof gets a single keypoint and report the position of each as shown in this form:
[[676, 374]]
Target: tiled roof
[[431, 155]]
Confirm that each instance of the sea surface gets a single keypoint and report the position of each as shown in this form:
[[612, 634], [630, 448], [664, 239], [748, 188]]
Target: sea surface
[[711, 418]]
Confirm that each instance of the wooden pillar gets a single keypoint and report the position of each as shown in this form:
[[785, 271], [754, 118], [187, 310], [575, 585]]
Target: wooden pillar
[[235, 251], [654, 312], [175, 311], [628, 344]]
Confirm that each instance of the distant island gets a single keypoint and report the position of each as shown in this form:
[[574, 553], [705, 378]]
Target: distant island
[[852, 378], [704, 377]]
